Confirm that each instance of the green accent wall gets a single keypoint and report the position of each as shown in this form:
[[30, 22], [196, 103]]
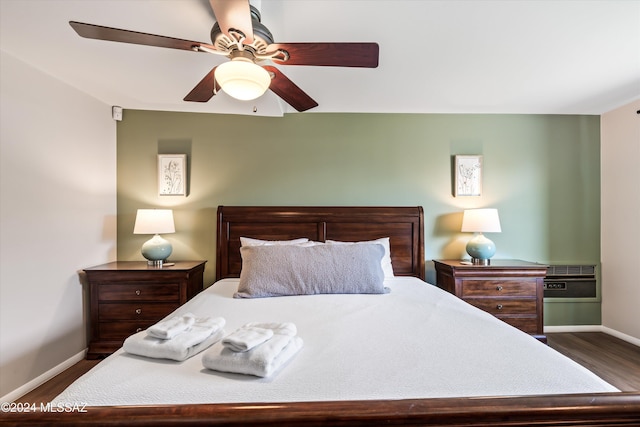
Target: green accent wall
[[542, 172]]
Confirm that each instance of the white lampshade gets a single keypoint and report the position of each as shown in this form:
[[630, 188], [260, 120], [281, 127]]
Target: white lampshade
[[154, 221], [242, 79], [481, 221]]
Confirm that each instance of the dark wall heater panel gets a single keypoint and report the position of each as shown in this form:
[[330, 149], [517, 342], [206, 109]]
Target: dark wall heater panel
[[570, 281]]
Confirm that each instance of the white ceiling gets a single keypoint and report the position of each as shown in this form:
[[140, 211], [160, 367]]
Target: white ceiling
[[448, 56]]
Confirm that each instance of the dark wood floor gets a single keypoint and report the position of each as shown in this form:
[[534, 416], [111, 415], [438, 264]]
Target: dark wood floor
[[56, 385], [614, 360]]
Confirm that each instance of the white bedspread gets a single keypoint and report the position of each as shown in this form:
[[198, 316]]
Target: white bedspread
[[415, 342]]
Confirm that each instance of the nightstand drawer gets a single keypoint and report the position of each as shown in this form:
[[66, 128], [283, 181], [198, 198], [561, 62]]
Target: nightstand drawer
[[134, 311], [121, 330], [499, 287], [510, 290], [137, 292], [525, 324], [506, 306]]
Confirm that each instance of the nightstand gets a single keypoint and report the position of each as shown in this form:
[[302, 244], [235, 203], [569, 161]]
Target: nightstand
[[126, 297], [511, 290]]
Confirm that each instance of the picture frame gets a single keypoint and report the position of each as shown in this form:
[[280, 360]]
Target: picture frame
[[172, 174], [468, 175]]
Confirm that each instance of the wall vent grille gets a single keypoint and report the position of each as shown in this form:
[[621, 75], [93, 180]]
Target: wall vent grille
[[571, 270]]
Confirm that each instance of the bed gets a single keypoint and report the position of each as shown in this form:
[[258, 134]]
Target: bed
[[427, 358]]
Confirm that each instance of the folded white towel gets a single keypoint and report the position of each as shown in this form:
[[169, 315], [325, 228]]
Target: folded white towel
[[246, 338], [261, 361], [168, 329], [203, 334]]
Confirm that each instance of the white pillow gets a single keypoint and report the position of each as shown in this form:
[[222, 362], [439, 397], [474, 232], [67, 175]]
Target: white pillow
[[386, 259], [248, 241]]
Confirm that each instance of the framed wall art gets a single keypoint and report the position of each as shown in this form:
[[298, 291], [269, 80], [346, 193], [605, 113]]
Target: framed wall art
[[172, 174], [468, 176]]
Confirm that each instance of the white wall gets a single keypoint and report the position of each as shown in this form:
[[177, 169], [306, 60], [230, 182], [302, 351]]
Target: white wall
[[620, 157], [58, 208]]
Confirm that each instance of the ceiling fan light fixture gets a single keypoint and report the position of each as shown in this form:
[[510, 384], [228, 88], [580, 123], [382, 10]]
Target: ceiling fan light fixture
[[240, 78]]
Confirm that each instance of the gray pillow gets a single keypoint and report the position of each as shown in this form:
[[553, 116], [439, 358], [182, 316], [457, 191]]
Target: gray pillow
[[269, 271]]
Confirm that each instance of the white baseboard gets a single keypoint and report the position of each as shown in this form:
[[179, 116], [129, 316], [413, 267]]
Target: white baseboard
[[573, 328], [593, 328], [624, 337], [38, 381]]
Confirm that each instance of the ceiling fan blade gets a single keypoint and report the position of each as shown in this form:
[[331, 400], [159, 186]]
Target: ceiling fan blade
[[99, 32], [329, 54], [289, 91], [204, 90], [233, 14]]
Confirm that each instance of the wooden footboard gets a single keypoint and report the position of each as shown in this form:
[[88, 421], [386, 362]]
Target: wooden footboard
[[607, 409]]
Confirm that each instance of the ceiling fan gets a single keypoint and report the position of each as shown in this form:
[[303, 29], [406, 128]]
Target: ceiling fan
[[239, 35]]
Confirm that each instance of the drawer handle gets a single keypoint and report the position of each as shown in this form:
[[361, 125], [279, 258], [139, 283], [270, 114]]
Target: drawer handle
[[498, 288], [499, 306], [138, 311], [137, 291]]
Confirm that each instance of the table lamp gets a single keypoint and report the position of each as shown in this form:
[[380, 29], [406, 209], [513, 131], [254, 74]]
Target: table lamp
[[480, 221], [155, 221]]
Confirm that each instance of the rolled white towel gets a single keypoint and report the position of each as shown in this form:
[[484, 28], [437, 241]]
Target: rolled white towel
[[169, 328], [282, 328], [246, 338], [203, 333]]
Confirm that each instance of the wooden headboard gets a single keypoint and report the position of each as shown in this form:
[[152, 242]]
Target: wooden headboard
[[403, 225]]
